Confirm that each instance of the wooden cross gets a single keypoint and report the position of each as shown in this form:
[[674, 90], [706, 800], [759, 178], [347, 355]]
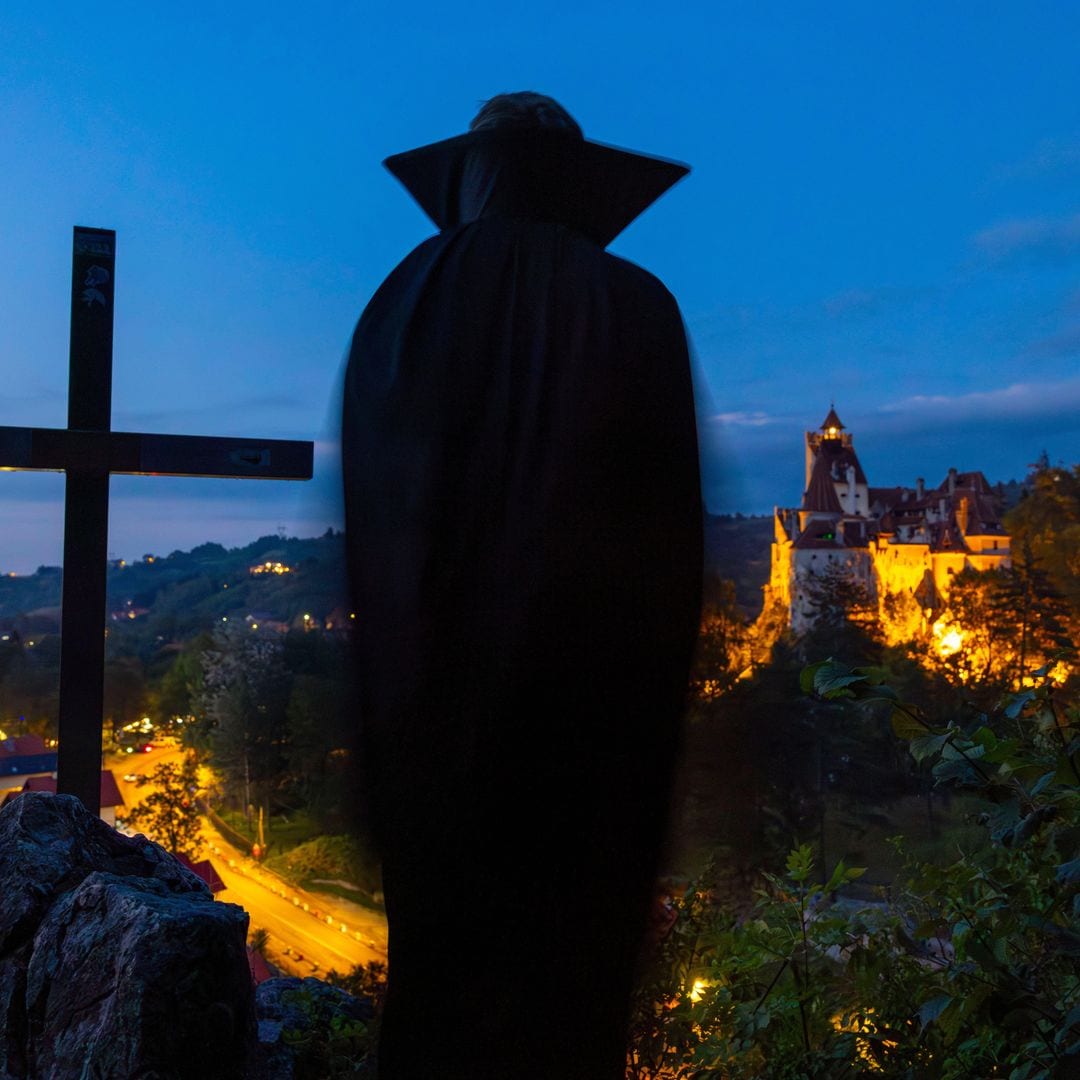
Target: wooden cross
[[88, 451]]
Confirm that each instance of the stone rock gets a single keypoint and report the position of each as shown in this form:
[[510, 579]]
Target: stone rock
[[300, 1005], [115, 961]]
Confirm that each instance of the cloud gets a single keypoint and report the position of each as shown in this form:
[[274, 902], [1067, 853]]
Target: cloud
[[853, 302], [1040, 239], [1051, 158], [184, 418], [743, 419], [874, 300], [1063, 344], [1021, 397]]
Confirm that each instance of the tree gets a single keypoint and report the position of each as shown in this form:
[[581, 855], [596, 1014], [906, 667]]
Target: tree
[[242, 705], [126, 694], [845, 617], [977, 635], [29, 692], [317, 754], [764, 765], [1047, 520], [180, 689], [169, 814], [723, 644], [1038, 608], [363, 981], [999, 624]]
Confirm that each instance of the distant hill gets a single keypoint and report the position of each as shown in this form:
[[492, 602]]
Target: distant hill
[[174, 597], [737, 547], [186, 592]]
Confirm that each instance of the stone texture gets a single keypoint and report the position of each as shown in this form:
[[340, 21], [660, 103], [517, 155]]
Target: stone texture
[[114, 960], [299, 1005]]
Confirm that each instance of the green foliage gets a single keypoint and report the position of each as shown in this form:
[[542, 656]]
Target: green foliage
[[321, 722], [242, 708], [722, 651], [327, 1046], [1047, 521], [126, 697], [845, 618], [331, 858], [182, 682], [969, 969], [363, 981], [30, 682], [768, 996], [789, 764], [275, 719], [1012, 619], [169, 814]]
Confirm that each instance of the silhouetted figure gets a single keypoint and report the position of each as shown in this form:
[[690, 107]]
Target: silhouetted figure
[[524, 536]]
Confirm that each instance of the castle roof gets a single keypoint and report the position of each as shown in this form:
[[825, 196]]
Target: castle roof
[[809, 540], [839, 457], [946, 536], [886, 496], [832, 421], [981, 510], [975, 481], [973, 487], [855, 532], [820, 493], [848, 532]]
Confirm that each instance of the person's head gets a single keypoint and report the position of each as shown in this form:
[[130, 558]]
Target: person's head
[[521, 111]]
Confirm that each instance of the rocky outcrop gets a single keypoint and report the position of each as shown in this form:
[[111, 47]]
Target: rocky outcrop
[[114, 960]]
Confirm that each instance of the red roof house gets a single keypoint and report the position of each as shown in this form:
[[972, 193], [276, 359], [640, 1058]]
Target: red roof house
[[110, 793], [203, 869]]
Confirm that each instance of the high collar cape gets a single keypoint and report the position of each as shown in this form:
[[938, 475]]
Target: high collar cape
[[541, 174]]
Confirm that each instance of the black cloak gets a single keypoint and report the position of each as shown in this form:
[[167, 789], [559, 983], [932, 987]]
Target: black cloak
[[523, 523]]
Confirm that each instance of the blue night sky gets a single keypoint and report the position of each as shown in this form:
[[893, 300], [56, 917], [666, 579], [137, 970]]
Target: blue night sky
[[884, 211]]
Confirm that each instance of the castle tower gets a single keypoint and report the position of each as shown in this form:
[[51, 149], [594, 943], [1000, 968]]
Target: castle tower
[[831, 429], [831, 458]]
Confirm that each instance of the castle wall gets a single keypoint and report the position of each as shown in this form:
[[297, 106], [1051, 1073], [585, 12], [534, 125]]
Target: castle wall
[[807, 564], [900, 568], [780, 572], [994, 545]]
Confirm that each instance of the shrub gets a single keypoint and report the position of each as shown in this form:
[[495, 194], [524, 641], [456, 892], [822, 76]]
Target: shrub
[[969, 969]]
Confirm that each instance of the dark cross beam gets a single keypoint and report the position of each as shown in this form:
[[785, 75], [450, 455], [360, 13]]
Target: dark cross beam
[[87, 450]]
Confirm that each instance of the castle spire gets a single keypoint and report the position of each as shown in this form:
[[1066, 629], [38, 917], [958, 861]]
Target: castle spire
[[831, 426]]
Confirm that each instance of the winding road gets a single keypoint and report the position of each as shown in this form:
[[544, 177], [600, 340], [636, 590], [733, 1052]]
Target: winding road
[[309, 933]]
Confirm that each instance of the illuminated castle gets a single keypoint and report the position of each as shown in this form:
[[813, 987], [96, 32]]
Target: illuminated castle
[[904, 545]]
